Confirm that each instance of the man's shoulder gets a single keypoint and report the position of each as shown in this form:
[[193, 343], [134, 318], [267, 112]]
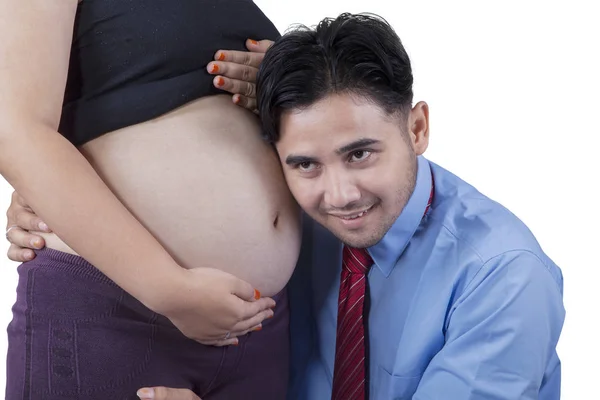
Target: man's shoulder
[[474, 219], [483, 235], [482, 226]]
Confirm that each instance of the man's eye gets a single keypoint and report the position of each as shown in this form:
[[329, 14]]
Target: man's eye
[[306, 166], [360, 155]]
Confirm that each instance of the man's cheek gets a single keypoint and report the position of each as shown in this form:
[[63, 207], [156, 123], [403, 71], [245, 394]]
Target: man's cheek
[[302, 193]]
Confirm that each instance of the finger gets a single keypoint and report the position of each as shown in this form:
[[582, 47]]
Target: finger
[[25, 219], [21, 238], [19, 213], [235, 86], [259, 46], [252, 59], [232, 341], [164, 393], [233, 71], [248, 310], [244, 290], [246, 102], [252, 322], [254, 328], [234, 337], [18, 254]]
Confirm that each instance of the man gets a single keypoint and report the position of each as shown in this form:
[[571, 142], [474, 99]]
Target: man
[[456, 298], [411, 284]]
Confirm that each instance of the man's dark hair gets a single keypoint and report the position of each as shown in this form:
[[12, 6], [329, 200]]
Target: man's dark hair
[[357, 54]]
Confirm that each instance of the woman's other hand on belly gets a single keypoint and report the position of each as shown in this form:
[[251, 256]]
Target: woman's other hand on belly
[[213, 307]]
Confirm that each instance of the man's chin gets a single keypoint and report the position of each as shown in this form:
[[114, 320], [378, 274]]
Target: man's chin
[[358, 239]]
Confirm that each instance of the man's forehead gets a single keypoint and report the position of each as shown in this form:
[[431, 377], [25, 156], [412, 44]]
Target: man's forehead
[[331, 124], [313, 124], [344, 111]]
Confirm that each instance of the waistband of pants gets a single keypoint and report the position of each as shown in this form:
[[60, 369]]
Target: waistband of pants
[[78, 265]]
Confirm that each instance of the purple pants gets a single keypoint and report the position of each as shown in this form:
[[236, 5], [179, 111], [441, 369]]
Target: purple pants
[[76, 335]]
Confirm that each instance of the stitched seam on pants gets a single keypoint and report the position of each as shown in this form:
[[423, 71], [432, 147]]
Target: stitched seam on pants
[[28, 336], [76, 348], [214, 379], [49, 369], [241, 354]]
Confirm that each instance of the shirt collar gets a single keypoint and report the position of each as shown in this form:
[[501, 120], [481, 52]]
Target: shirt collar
[[389, 249]]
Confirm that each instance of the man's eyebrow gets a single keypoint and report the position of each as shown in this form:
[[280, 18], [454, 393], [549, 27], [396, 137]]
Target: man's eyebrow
[[360, 143], [295, 160]]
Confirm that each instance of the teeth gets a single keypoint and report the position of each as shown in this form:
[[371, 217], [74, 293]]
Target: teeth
[[358, 215]]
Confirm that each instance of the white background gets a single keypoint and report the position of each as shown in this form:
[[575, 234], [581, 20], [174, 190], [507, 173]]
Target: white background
[[513, 93]]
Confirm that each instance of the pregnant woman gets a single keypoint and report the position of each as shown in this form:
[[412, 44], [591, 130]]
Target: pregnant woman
[[170, 214]]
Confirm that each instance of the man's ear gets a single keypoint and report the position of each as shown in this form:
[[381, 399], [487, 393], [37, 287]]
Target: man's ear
[[418, 127]]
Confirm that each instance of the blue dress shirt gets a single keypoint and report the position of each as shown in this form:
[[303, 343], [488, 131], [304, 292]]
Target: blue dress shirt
[[464, 304]]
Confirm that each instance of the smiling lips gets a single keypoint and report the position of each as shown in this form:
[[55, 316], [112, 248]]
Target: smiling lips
[[353, 216]]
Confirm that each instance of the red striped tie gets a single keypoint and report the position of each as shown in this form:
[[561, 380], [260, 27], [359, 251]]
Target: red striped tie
[[349, 371]]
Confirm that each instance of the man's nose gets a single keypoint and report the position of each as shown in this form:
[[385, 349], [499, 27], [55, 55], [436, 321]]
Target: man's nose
[[340, 190]]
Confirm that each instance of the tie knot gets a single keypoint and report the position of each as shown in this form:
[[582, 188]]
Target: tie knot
[[356, 261]]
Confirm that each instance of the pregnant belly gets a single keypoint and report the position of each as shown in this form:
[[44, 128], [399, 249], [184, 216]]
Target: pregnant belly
[[208, 188]]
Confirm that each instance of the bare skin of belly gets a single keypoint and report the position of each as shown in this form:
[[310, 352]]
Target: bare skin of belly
[[206, 185]]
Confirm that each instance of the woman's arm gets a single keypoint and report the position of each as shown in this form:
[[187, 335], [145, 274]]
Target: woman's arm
[[55, 178], [61, 186]]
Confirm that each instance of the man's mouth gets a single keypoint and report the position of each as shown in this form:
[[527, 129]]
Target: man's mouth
[[354, 215]]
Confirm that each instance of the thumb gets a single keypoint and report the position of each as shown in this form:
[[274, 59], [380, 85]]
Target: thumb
[[258, 46], [244, 290], [164, 393]]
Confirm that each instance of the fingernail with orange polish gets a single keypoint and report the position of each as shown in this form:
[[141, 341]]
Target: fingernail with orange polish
[[256, 294], [221, 57], [258, 328], [214, 69], [254, 42], [236, 99], [220, 81]]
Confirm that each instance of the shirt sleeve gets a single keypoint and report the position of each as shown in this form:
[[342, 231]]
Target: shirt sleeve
[[501, 335]]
